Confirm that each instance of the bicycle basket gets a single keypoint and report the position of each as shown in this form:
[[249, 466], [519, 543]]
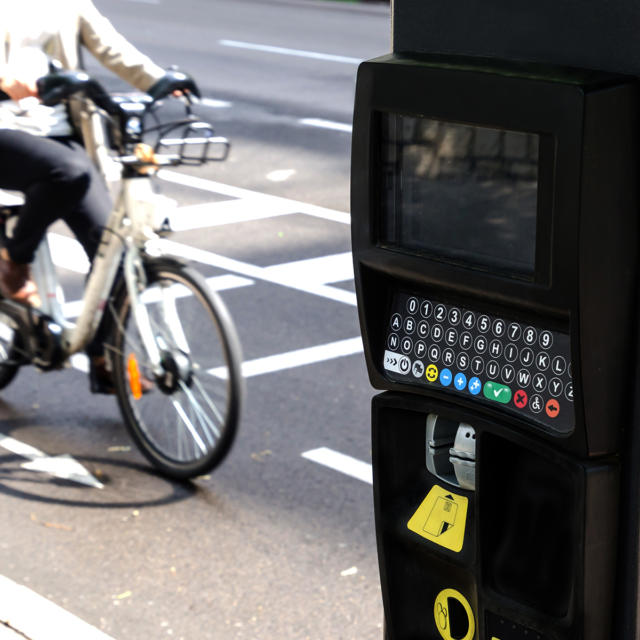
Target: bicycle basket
[[192, 142]]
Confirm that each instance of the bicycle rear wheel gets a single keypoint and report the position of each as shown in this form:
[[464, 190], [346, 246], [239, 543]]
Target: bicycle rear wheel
[[184, 420]]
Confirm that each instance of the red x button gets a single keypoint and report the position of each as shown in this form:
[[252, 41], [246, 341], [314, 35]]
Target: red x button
[[552, 408], [520, 399]]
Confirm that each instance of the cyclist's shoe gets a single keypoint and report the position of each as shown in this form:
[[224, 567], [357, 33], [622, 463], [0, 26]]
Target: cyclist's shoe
[[15, 281], [101, 378]]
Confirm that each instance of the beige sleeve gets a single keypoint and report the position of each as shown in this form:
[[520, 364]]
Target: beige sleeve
[[100, 37]]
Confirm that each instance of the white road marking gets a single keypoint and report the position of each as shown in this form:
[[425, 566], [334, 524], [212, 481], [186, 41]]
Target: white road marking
[[300, 53], [237, 192], [324, 270], [64, 466], [258, 273], [214, 104], [37, 618], [297, 358], [214, 214], [342, 463], [280, 175], [326, 124], [216, 283]]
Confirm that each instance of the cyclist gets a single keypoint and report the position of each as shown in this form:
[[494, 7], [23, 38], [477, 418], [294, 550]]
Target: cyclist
[[40, 154]]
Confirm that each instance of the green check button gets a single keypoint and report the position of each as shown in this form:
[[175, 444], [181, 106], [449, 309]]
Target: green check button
[[497, 392]]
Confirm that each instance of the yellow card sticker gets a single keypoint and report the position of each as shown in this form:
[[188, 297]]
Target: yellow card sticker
[[432, 373], [441, 518]]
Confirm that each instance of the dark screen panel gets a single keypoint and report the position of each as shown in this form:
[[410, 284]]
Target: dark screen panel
[[462, 193]]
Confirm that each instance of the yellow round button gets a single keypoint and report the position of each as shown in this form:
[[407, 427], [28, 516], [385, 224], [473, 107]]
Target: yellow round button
[[432, 373], [442, 614]]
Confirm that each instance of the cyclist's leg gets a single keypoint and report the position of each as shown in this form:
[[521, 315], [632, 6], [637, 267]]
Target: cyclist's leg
[[55, 178]]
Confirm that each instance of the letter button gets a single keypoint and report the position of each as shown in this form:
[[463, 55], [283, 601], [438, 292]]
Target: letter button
[[393, 342], [555, 387], [434, 353], [406, 345], [558, 365], [423, 328], [451, 337], [466, 340], [396, 321], [511, 352], [542, 361], [409, 325]]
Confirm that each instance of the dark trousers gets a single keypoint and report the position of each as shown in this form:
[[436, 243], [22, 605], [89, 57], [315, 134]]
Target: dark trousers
[[59, 181]]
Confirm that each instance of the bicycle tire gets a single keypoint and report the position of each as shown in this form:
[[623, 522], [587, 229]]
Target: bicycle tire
[[186, 422]]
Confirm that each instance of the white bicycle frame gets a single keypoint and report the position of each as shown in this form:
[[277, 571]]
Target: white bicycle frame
[[129, 230]]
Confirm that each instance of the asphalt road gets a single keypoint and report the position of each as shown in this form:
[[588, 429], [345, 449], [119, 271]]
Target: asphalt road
[[271, 545]]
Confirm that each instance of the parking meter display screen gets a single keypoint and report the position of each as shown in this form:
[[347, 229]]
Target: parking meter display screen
[[462, 193]]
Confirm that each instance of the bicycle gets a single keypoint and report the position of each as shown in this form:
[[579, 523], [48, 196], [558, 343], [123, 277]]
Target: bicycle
[[166, 328]]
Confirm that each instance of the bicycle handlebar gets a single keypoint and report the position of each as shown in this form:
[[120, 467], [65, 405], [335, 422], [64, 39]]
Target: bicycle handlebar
[[59, 85]]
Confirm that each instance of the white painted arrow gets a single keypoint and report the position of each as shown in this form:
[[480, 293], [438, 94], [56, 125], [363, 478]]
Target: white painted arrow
[[64, 466]]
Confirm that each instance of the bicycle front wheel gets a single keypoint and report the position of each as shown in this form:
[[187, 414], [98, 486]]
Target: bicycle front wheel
[[185, 419]]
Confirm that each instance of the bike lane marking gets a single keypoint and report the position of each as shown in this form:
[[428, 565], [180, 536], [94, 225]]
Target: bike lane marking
[[296, 358], [299, 53], [62, 466], [341, 462], [37, 618]]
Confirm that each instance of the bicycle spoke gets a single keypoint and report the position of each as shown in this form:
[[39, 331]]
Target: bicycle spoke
[[172, 319], [205, 422], [208, 400], [187, 423]]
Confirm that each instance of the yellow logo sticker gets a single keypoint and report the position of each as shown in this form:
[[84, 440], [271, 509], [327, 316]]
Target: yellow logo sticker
[[432, 373], [442, 615], [441, 518]]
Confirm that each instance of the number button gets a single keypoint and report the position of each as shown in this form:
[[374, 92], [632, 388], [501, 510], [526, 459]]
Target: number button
[[406, 345], [436, 333], [440, 312], [454, 316], [425, 308], [469, 319], [448, 357], [514, 331], [499, 328], [558, 365], [530, 335], [423, 328], [434, 353], [409, 325], [546, 339], [484, 324], [396, 322], [412, 306]]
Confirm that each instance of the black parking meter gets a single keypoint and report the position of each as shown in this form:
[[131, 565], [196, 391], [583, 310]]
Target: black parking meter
[[495, 240]]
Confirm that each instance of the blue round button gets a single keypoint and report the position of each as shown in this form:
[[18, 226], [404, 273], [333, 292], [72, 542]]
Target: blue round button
[[445, 377], [460, 381], [475, 386]]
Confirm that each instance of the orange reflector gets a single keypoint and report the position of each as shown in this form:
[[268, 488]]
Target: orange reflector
[[134, 377]]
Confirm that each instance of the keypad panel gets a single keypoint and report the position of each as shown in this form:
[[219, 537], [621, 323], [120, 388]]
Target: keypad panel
[[518, 367]]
